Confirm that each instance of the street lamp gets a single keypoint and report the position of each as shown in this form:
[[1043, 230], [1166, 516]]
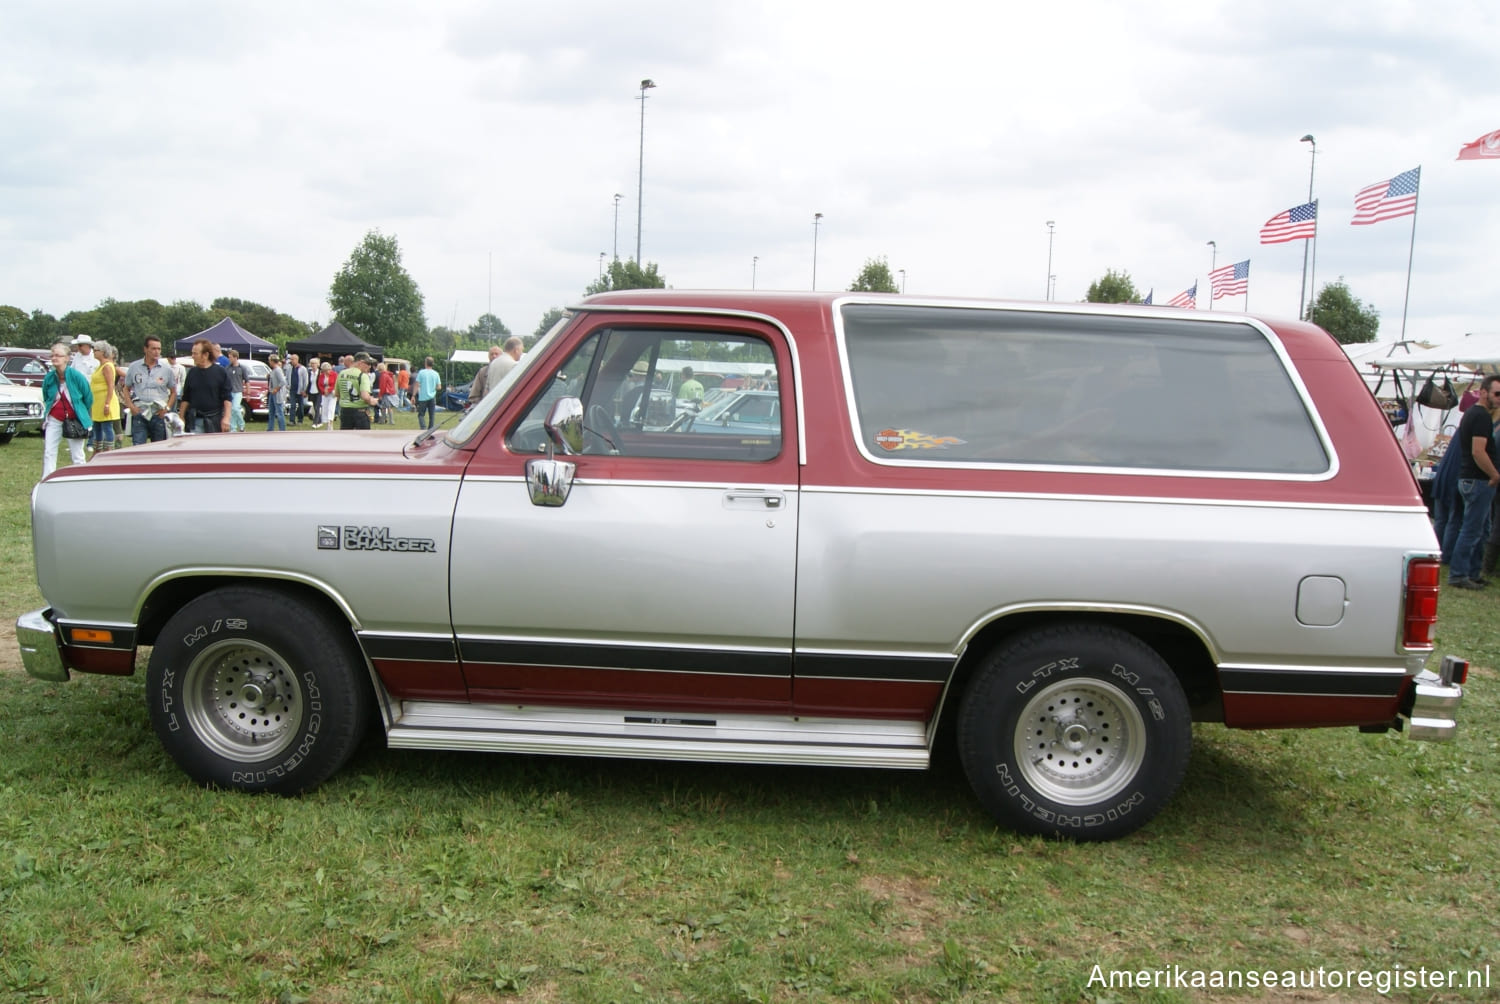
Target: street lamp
[[618, 197], [754, 262], [1302, 293], [1213, 259], [903, 279], [640, 176], [817, 219], [1050, 276]]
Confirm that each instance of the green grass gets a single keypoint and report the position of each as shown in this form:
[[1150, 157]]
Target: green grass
[[448, 877]]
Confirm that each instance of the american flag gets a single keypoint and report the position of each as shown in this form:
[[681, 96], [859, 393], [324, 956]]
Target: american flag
[[1187, 298], [1386, 200], [1147, 300], [1295, 224], [1231, 280]]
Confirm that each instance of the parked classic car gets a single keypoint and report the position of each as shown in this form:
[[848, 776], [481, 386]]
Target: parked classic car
[[20, 409], [26, 367], [1052, 535]]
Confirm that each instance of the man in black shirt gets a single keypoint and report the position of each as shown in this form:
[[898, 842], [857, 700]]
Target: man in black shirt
[[1478, 477], [205, 394]]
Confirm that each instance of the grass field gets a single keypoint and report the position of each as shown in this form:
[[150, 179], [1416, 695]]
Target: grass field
[[448, 877]]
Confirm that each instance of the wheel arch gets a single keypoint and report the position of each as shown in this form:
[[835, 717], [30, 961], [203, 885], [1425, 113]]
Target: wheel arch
[[1182, 644], [169, 593]]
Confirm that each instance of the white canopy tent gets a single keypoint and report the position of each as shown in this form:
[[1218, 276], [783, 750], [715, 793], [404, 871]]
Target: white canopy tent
[[1478, 350], [1396, 371]]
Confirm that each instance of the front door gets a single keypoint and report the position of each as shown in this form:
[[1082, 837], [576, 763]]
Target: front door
[[666, 580]]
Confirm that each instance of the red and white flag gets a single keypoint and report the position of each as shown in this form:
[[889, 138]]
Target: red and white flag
[[1486, 147], [1187, 298]]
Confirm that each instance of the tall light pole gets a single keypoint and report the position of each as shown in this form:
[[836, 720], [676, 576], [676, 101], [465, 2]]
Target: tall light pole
[[1302, 293], [754, 263], [601, 264], [1213, 260], [640, 176], [1050, 276], [618, 197], [817, 219], [903, 279]]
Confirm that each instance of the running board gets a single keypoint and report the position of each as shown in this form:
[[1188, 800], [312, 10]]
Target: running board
[[772, 739]]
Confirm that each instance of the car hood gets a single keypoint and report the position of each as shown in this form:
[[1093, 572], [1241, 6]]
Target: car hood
[[299, 454], [15, 392]]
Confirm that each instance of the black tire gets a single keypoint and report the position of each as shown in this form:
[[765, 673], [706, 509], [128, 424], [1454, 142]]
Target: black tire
[[250, 689], [6, 437], [1076, 730]]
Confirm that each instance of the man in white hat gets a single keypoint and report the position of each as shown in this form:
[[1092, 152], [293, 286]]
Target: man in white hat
[[83, 359]]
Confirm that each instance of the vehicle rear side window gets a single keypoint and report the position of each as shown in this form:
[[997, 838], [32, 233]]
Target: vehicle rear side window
[[968, 386]]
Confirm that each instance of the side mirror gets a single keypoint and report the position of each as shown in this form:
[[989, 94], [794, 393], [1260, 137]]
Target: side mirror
[[564, 424]]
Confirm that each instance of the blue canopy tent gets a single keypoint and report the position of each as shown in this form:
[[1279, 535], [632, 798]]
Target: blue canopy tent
[[228, 335]]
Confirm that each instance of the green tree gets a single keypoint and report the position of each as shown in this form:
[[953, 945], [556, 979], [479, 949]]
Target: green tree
[[1113, 287], [12, 324], [489, 329], [875, 277], [1341, 314], [626, 275], [551, 317], [182, 319], [261, 320], [375, 297], [42, 329]]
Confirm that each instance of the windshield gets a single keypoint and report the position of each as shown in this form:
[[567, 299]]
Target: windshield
[[480, 413]]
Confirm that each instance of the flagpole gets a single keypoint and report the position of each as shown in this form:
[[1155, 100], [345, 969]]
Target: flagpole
[[1312, 294], [1416, 201]]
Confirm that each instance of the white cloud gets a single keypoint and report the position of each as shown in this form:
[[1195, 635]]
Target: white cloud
[[188, 150]]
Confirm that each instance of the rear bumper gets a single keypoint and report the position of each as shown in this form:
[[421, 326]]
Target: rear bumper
[[1434, 706], [41, 652]]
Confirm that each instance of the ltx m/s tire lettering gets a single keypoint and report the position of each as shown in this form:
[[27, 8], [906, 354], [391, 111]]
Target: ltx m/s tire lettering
[[250, 689]]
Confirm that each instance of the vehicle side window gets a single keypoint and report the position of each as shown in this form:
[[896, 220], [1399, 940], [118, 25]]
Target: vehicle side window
[[671, 394], [954, 385], [527, 435]]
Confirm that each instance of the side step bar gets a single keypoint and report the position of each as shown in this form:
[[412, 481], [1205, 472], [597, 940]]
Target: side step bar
[[769, 739]]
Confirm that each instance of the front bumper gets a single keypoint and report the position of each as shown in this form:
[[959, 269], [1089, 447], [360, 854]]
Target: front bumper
[[41, 652], [1435, 701]]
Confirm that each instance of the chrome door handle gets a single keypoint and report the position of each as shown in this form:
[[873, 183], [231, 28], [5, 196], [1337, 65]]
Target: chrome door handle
[[754, 500]]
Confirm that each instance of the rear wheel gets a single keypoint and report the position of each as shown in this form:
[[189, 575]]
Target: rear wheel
[[250, 689], [1075, 730]]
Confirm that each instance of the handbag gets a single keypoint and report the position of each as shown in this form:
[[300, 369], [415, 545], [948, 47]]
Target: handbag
[[1433, 396], [72, 428]]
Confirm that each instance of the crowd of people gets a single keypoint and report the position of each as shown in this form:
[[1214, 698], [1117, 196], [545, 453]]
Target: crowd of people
[[1465, 504], [86, 397]]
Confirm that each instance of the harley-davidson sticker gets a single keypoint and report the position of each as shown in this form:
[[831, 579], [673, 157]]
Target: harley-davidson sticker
[[908, 439]]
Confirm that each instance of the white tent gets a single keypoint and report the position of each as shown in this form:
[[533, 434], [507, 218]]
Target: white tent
[[469, 356], [1474, 351]]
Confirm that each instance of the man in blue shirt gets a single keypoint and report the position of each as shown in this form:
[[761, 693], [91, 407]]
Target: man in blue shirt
[[428, 385]]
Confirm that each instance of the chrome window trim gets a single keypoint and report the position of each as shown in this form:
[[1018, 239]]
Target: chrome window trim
[[791, 342], [1102, 497], [723, 486], [1165, 314]]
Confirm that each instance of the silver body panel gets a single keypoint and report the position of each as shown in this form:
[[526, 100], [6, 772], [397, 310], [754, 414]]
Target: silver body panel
[[705, 565], [273, 532], [962, 560]]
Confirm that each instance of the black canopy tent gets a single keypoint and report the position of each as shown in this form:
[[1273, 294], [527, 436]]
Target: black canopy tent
[[334, 340], [228, 335]]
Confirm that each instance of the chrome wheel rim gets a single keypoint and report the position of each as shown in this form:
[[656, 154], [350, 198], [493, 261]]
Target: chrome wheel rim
[[242, 700], [1079, 742]]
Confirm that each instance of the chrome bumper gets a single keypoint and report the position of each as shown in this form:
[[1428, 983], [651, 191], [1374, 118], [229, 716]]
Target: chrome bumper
[[1434, 708], [41, 654]]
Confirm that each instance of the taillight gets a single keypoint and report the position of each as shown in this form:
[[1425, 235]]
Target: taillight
[[1422, 584]]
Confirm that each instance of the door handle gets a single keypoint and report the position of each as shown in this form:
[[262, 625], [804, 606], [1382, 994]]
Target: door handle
[[742, 499]]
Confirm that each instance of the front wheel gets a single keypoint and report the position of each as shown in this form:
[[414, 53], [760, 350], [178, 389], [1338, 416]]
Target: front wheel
[[250, 689], [1075, 730]]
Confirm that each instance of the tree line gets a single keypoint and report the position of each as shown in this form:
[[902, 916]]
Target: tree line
[[1335, 309]]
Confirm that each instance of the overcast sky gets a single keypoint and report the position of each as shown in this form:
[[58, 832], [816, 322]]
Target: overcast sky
[[190, 150]]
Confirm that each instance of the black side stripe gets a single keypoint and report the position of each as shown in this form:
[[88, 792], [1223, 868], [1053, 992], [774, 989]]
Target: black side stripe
[[852, 666], [1308, 682], [671, 660], [409, 649]]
